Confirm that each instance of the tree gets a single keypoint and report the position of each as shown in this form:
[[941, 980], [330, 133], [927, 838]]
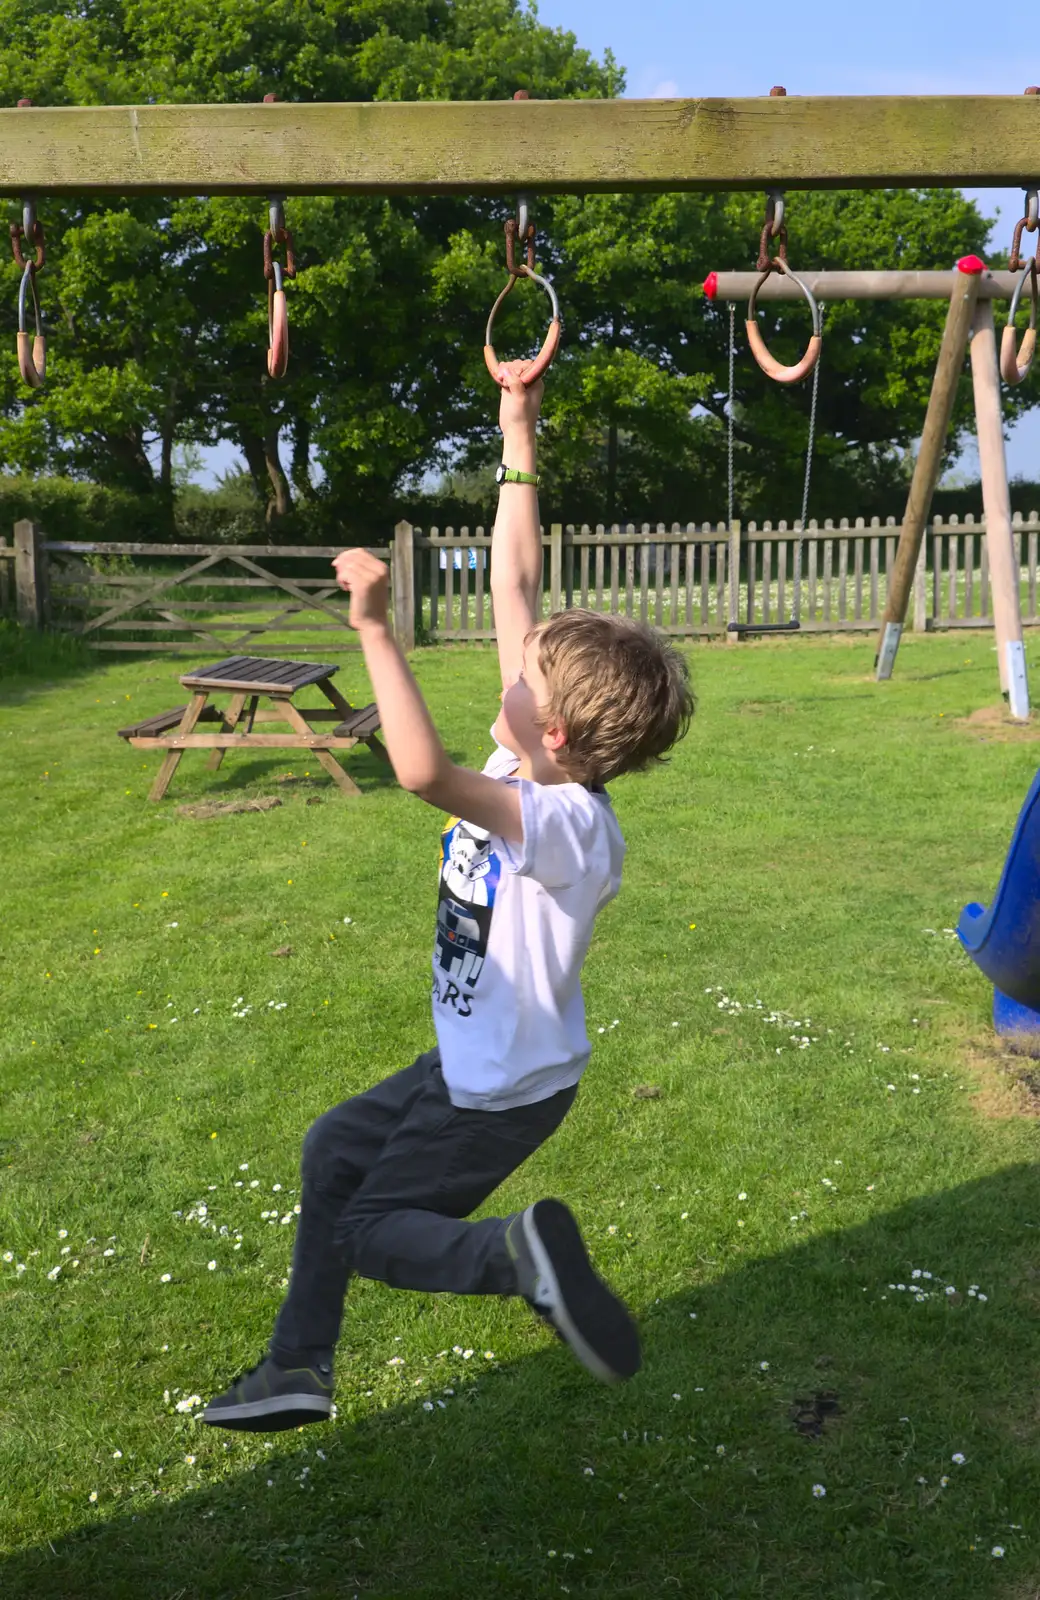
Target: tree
[[636, 405], [158, 308]]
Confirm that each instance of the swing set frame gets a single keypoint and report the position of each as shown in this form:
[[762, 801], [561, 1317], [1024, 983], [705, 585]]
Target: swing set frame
[[502, 148]]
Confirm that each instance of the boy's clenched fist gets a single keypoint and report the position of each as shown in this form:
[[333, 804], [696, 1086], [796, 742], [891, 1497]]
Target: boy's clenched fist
[[368, 580]]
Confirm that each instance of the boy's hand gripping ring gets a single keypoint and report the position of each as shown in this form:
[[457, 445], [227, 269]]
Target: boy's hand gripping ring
[[523, 269]]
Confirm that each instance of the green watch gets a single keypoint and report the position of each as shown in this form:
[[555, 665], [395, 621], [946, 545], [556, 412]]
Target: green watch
[[511, 475]]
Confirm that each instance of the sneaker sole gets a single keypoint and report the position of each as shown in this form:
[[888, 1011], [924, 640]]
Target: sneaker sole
[[272, 1415], [592, 1320]]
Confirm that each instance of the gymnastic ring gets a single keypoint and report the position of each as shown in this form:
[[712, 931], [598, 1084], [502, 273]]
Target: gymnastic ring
[[277, 326], [770, 366], [32, 348], [550, 344], [1015, 363]]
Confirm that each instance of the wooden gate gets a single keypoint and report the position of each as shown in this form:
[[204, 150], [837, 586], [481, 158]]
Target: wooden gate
[[180, 597]]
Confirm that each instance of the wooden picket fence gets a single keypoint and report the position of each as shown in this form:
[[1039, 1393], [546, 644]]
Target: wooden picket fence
[[697, 579], [689, 581]]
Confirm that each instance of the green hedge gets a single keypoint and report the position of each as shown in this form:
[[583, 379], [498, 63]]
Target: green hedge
[[67, 509], [71, 510]]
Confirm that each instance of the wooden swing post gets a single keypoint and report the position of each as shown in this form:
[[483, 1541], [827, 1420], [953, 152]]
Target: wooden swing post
[[927, 466], [996, 504], [971, 291]]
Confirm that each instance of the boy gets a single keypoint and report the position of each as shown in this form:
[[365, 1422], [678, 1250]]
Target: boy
[[389, 1175]]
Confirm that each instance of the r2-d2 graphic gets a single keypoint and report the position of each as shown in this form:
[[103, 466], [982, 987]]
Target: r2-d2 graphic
[[460, 947]]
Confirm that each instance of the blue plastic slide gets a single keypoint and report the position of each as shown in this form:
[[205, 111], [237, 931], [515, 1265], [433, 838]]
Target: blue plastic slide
[[1004, 939]]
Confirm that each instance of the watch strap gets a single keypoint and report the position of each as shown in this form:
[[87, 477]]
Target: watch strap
[[512, 475]]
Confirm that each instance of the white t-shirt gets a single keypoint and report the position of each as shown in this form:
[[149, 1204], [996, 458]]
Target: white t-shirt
[[514, 922]]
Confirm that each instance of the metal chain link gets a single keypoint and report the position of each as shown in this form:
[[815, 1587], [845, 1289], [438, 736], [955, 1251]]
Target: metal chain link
[[797, 574], [729, 416]]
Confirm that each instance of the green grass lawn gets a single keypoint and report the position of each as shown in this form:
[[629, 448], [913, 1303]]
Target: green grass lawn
[[834, 1124]]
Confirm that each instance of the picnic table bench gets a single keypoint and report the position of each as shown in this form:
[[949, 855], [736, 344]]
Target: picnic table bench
[[250, 679]]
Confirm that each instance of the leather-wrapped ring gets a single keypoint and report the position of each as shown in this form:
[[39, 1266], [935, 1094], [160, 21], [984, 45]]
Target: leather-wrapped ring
[[769, 364], [277, 326]]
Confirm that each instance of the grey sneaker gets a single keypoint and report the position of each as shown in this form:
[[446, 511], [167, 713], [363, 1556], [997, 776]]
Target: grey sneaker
[[269, 1398], [556, 1278]]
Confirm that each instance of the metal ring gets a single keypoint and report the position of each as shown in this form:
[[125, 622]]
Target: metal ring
[[276, 213], [1015, 359], [551, 342], [28, 282], [522, 218], [776, 198], [770, 366], [1032, 210], [32, 349]]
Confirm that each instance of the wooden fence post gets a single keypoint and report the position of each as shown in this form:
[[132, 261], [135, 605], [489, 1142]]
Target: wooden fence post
[[734, 580], [404, 585], [555, 567], [30, 574], [5, 579]]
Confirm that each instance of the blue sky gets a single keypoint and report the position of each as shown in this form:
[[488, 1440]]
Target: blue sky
[[671, 47]]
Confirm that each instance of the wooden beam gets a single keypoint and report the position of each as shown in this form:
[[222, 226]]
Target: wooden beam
[[737, 286], [500, 147]]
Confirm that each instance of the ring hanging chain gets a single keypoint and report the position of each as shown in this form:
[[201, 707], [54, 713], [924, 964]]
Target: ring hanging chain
[[805, 489], [729, 418]]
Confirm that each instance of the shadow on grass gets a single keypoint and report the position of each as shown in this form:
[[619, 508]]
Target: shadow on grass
[[237, 778], [35, 659], [697, 1478]]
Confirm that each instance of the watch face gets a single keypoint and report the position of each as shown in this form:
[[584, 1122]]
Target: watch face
[[500, 474]]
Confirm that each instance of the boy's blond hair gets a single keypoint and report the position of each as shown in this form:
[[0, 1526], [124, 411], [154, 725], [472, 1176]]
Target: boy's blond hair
[[617, 687]]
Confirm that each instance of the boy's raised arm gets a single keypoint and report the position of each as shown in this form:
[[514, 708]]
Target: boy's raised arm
[[420, 762], [516, 541]]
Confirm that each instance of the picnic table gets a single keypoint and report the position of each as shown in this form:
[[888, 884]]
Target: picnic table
[[250, 679]]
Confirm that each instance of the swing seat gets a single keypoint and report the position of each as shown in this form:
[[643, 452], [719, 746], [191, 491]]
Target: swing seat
[[1003, 939], [763, 627]]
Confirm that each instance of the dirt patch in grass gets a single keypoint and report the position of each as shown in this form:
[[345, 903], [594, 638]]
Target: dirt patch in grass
[[1009, 1083], [995, 725], [764, 708]]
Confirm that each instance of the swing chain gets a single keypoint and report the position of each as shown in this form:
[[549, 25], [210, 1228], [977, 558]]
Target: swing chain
[[520, 230], [729, 416], [1029, 222], [809, 448], [31, 230]]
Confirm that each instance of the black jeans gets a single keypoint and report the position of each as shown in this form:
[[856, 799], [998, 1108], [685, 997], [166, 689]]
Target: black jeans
[[387, 1177]]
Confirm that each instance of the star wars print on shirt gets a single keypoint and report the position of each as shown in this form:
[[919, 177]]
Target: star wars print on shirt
[[469, 878]]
